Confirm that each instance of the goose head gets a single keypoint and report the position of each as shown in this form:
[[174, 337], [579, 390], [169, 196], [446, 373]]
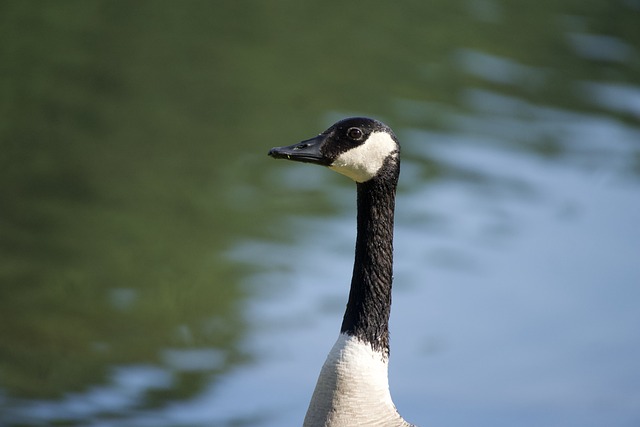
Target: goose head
[[358, 147]]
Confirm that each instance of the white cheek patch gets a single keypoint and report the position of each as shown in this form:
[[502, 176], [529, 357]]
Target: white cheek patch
[[364, 161]]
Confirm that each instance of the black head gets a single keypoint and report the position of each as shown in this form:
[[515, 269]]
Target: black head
[[356, 147]]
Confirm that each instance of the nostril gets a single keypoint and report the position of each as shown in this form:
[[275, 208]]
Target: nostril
[[301, 146]]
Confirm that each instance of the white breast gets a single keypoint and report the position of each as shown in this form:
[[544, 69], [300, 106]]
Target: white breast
[[353, 389]]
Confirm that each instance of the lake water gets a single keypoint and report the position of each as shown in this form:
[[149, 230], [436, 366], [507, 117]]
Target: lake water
[[158, 269]]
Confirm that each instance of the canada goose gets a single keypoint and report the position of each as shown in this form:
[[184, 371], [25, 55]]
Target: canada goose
[[353, 386]]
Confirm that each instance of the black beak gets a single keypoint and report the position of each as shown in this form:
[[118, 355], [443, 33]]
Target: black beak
[[308, 151]]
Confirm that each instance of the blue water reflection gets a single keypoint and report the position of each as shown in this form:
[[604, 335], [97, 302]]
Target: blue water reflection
[[516, 281]]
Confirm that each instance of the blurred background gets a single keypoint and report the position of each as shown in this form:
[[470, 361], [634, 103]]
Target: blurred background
[[158, 269]]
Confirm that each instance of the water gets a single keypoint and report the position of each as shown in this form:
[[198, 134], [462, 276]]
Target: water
[[158, 269]]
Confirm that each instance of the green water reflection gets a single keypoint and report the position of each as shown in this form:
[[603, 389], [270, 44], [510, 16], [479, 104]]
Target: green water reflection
[[133, 138]]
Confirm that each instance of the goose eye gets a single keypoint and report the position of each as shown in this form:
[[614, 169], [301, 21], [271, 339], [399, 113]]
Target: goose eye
[[354, 133]]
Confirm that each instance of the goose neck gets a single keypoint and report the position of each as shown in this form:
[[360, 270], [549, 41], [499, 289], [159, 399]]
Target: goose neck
[[369, 305]]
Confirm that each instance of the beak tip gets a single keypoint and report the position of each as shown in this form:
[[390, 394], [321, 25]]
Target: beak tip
[[274, 153]]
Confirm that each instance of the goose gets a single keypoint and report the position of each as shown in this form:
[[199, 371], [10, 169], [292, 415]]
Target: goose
[[353, 385]]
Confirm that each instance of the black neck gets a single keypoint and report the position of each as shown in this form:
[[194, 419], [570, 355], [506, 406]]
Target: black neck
[[369, 306]]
